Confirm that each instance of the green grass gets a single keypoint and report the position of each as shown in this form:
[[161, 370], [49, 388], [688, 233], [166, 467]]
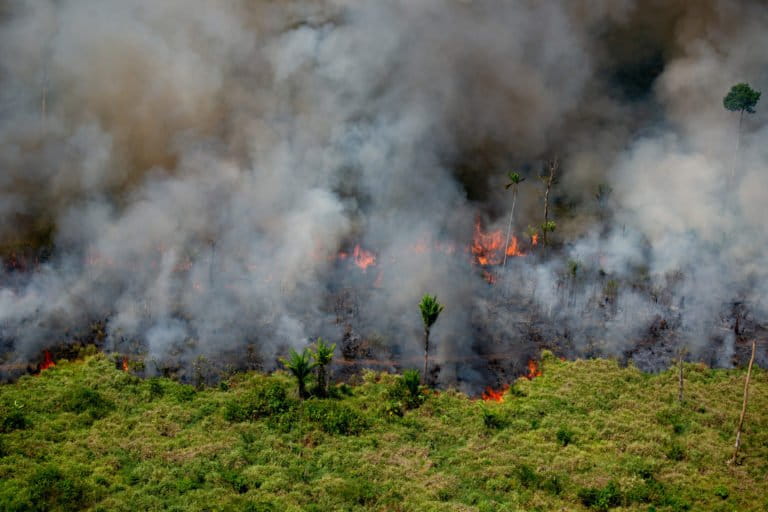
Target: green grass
[[587, 435]]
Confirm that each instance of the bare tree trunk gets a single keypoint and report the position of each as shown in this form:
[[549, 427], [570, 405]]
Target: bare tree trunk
[[549, 180], [426, 353], [738, 150], [680, 379], [509, 227], [322, 384], [737, 445]]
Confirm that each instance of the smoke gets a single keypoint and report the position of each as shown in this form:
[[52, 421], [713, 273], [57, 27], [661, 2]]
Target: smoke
[[191, 170]]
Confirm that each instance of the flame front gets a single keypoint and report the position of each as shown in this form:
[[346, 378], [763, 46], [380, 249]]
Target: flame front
[[533, 370], [47, 361], [488, 247], [125, 364], [496, 395]]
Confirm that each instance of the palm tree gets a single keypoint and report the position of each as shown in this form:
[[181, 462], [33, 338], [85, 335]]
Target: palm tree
[[301, 368], [514, 181], [430, 310], [323, 354]]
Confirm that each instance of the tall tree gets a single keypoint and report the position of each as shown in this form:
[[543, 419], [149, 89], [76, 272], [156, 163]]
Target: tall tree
[[514, 182], [300, 366], [741, 98], [549, 180], [737, 445], [323, 354], [430, 311]]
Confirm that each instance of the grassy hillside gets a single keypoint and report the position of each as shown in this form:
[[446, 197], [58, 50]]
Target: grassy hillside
[[587, 435]]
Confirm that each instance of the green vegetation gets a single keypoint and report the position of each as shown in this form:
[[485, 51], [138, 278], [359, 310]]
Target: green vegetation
[[323, 355], [301, 367], [741, 98], [430, 310], [586, 435]]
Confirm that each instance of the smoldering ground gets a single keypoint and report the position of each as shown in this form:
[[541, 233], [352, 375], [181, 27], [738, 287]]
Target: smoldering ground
[[191, 171]]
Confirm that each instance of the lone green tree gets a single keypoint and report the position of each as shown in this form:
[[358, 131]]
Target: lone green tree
[[301, 367], [323, 354], [741, 98], [430, 310], [514, 182]]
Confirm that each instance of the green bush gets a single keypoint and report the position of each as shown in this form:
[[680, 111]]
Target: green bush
[[14, 420], [155, 388], [407, 390], [564, 436], [675, 451], [270, 400], [50, 489], [86, 400], [335, 418], [601, 499], [527, 476], [493, 420], [553, 485], [722, 492]]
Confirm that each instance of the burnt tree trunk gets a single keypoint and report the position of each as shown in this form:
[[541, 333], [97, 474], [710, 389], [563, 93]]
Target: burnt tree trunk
[[548, 181], [737, 445]]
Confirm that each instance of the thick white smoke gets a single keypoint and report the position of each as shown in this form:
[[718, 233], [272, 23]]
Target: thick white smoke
[[194, 168]]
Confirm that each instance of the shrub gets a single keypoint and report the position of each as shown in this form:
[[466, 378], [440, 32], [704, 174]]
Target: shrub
[[527, 476], [722, 492], [50, 489], [393, 409], [407, 390], [87, 400], [14, 420], [493, 420], [335, 418], [267, 401], [564, 436], [601, 499], [553, 485], [155, 388], [675, 451]]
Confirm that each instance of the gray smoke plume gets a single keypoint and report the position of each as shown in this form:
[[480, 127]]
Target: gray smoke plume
[[201, 176]]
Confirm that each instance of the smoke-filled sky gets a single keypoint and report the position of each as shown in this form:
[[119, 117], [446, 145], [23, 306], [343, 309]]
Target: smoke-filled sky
[[196, 166]]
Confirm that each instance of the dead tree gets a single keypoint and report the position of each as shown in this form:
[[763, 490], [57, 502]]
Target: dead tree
[[737, 445], [549, 180]]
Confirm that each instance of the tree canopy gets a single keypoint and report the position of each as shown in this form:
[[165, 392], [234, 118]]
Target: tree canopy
[[430, 309], [741, 98]]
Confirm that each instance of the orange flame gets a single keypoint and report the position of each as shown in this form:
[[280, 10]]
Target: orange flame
[[125, 364], [513, 248], [47, 361], [496, 395], [488, 248], [535, 239], [363, 258], [533, 370]]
